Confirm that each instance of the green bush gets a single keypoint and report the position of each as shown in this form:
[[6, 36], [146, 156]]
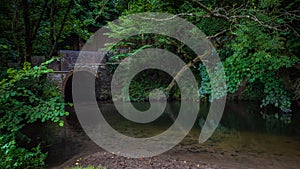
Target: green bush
[[26, 96], [13, 156]]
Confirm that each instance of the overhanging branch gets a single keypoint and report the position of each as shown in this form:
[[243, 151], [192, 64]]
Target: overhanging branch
[[185, 67]]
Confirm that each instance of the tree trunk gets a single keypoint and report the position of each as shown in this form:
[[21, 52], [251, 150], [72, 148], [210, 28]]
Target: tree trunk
[[57, 37], [28, 42]]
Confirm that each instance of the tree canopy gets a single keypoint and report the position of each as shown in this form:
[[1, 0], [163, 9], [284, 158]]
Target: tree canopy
[[257, 40]]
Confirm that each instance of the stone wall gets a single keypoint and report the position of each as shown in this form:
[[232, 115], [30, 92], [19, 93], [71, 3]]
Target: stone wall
[[63, 70]]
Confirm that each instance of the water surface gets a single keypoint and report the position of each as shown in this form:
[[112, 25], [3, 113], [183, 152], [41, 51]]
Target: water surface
[[245, 139]]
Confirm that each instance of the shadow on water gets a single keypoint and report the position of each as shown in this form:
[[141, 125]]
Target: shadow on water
[[244, 138]]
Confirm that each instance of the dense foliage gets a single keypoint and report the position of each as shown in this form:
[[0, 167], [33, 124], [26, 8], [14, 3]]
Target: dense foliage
[[258, 42], [26, 97], [39, 28]]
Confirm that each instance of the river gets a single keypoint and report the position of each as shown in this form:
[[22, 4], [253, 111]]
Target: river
[[247, 137]]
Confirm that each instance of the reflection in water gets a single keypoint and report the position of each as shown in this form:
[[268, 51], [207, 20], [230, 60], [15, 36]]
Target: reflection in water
[[243, 140]]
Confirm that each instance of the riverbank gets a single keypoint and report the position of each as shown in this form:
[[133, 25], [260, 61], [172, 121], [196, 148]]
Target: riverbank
[[112, 161], [254, 151]]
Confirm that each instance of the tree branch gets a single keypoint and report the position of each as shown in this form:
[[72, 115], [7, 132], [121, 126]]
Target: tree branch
[[166, 19], [40, 20], [232, 18], [61, 29], [185, 67], [218, 34]]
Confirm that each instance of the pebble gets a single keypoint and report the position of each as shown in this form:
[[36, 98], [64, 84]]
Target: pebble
[[112, 161]]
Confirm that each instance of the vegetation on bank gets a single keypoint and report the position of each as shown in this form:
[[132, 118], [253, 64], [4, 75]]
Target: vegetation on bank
[[27, 97], [257, 41]]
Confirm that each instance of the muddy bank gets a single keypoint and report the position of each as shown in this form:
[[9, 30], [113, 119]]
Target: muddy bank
[[112, 161], [244, 151]]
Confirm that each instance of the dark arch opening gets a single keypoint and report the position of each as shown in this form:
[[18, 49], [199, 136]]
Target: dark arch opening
[[68, 90], [68, 96]]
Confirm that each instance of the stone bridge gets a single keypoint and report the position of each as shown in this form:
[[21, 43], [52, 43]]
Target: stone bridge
[[64, 69]]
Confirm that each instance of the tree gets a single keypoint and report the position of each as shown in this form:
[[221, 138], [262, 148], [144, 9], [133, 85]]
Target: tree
[[258, 42], [41, 28]]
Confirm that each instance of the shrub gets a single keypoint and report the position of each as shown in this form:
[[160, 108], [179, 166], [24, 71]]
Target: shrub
[[26, 96]]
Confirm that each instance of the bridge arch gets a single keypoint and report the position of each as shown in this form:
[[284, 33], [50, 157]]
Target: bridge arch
[[68, 97], [67, 84]]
